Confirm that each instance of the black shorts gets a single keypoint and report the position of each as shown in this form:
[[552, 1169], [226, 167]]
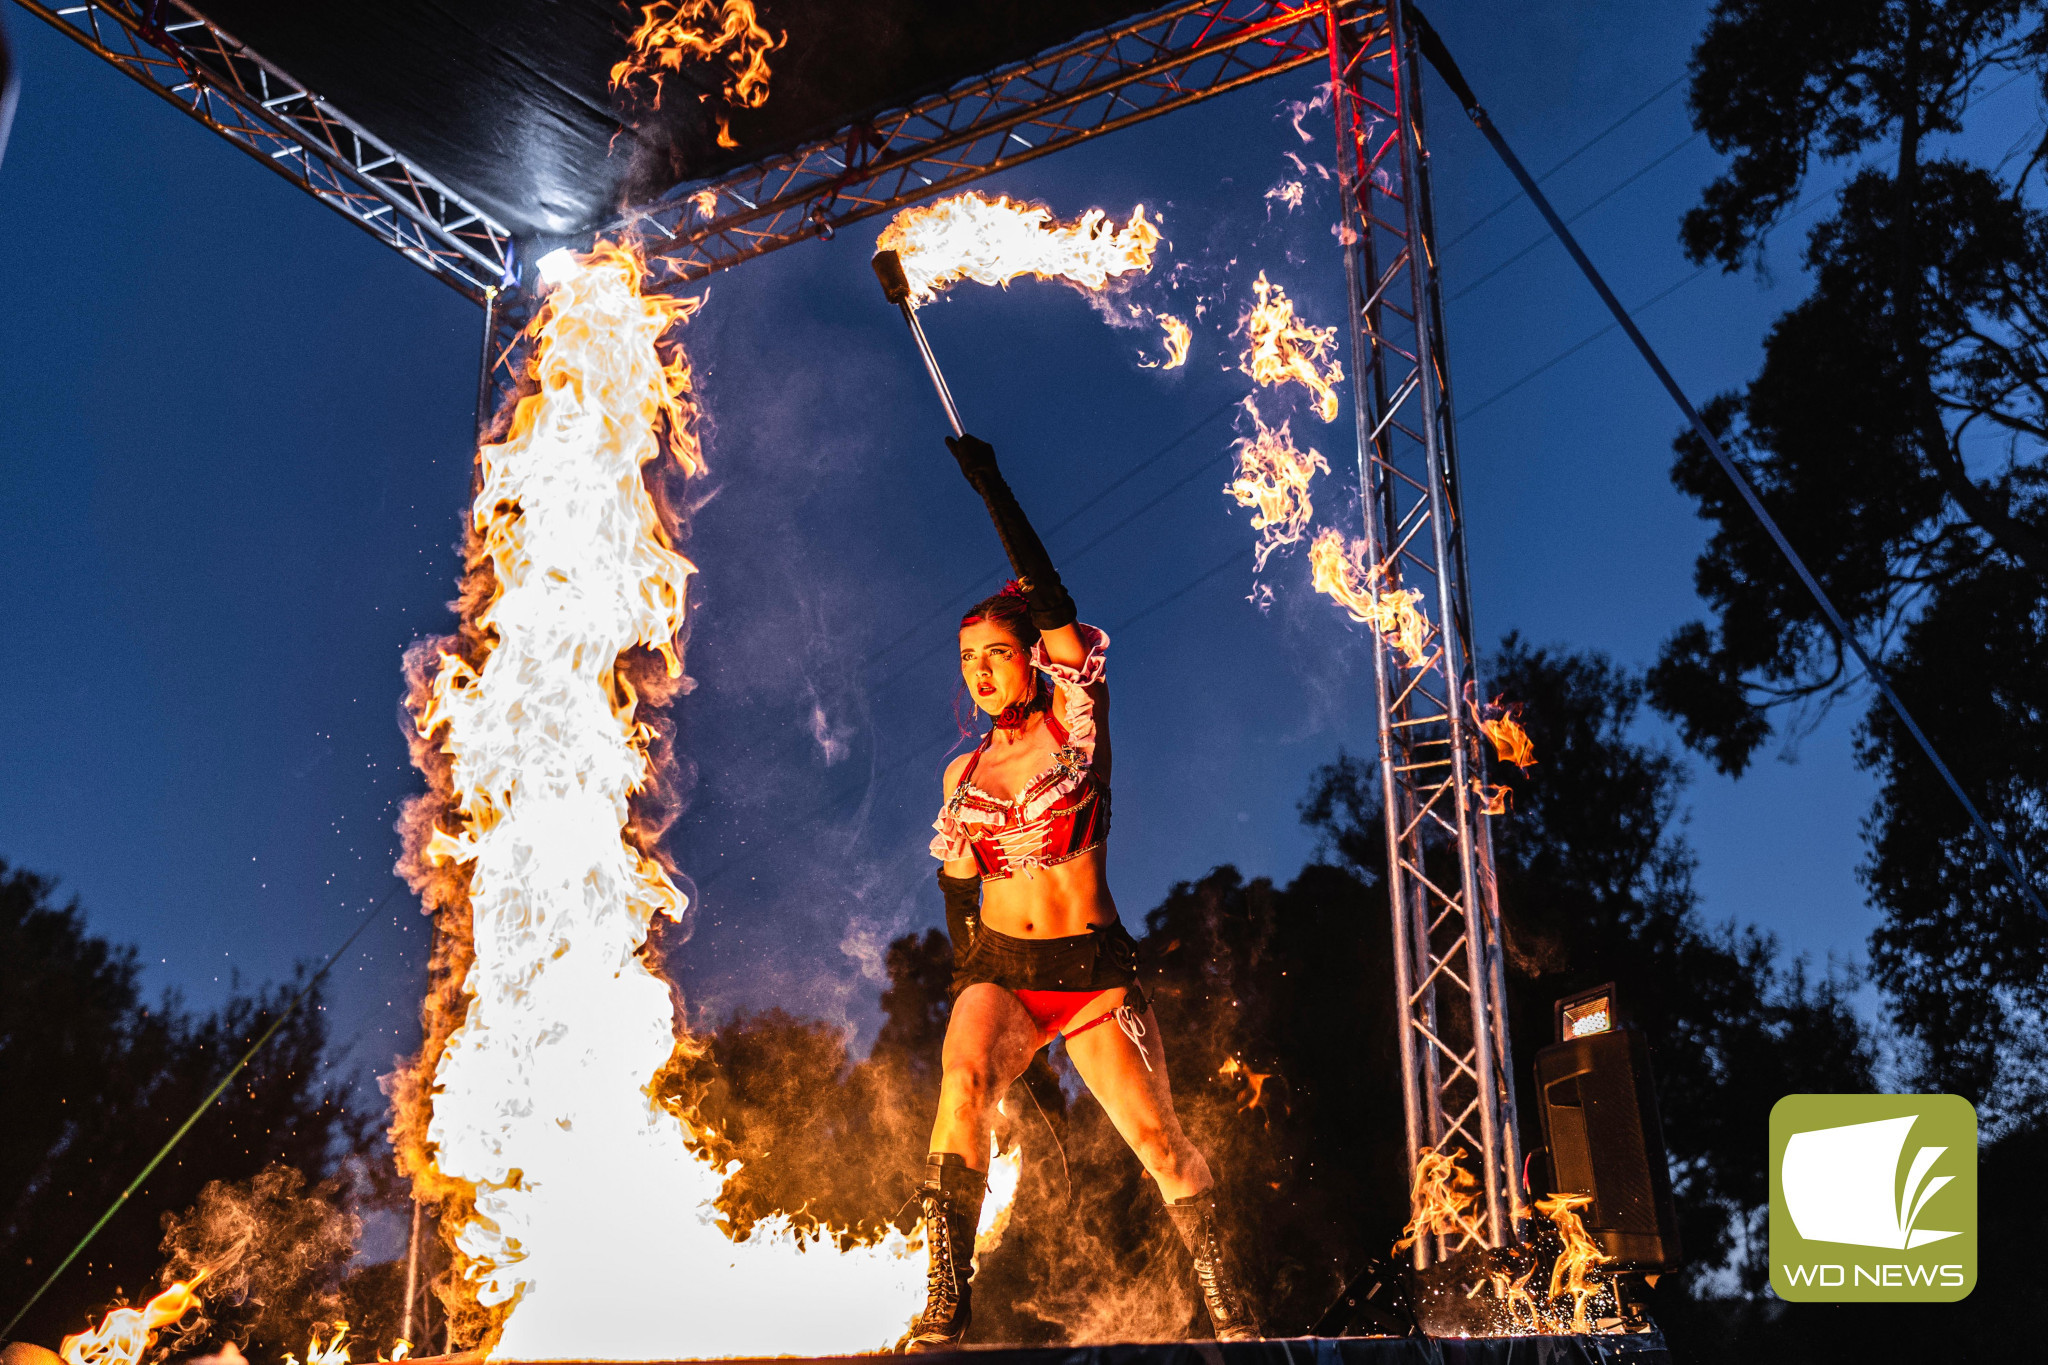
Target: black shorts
[[1102, 959]]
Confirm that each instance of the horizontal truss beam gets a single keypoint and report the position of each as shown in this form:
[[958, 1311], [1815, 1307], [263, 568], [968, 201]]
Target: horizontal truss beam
[[177, 53], [1094, 85]]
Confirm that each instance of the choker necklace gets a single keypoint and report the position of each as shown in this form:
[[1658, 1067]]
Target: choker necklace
[[1017, 713]]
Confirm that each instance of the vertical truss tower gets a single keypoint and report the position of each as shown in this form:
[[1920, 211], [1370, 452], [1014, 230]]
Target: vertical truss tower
[[1457, 1077]]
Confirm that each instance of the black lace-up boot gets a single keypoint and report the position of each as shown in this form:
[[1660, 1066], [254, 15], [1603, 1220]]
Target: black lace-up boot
[[1230, 1314], [952, 1208]]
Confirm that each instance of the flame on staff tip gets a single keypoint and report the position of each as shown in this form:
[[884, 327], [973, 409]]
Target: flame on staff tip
[[582, 1211], [674, 32], [993, 241], [1581, 1255], [1274, 477], [1441, 1198], [1178, 336], [1279, 348], [126, 1333], [1347, 579]]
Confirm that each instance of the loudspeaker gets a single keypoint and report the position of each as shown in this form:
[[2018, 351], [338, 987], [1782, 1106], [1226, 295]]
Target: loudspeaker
[[1599, 1109]]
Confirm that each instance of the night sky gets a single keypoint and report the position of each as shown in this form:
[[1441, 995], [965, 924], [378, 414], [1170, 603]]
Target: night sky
[[236, 448]]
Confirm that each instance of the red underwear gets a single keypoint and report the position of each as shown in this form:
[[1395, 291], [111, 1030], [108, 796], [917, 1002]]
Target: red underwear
[[1053, 1010]]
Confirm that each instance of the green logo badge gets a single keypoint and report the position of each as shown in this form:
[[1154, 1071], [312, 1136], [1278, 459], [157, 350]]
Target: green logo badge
[[1873, 1198]]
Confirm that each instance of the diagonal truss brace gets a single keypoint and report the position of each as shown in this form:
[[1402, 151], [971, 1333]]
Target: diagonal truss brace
[[1457, 1078], [1097, 84], [177, 53]]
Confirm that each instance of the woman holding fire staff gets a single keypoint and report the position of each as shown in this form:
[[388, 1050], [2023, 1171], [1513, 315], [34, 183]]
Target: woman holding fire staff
[[1038, 950]]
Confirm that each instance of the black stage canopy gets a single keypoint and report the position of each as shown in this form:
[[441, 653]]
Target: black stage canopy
[[506, 101]]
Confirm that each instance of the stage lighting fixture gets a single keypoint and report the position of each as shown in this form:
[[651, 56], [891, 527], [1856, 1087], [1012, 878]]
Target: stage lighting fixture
[[1587, 1013]]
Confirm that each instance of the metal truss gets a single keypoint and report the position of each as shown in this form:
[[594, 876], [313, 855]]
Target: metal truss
[[179, 54], [1457, 1072], [1094, 85]]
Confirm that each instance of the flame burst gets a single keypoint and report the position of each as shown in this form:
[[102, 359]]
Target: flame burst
[[583, 1222], [125, 1333], [1581, 1255], [1250, 1084], [1178, 336], [1502, 723], [993, 241], [1441, 1199], [1493, 800], [1274, 477], [1279, 348], [333, 1352], [1354, 585], [673, 32]]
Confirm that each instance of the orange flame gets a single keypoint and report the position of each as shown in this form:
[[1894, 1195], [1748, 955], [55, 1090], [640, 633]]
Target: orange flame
[[1501, 722], [1515, 1298], [1493, 800], [1345, 577], [125, 1333], [591, 1199], [993, 241], [1252, 1083], [334, 1352], [1279, 348], [1177, 338], [705, 201], [1580, 1258], [1441, 1199], [673, 32], [1274, 477]]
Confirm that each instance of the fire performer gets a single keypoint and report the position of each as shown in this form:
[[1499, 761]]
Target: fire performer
[[1038, 949]]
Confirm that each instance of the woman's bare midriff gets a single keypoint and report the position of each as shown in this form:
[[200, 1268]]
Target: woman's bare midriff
[[1051, 902]]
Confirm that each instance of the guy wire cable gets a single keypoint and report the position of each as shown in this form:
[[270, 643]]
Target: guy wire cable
[[1440, 57], [369, 917]]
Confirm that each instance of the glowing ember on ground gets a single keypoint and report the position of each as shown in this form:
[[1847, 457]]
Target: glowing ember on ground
[[993, 241], [675, 32], [1344, 575], [1274, 477], [1279, 348], [126, 1333], [594, 1233], [1440, 1200]]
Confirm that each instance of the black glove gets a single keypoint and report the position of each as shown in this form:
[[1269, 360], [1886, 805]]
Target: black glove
[[963, 917], [1051, 606]]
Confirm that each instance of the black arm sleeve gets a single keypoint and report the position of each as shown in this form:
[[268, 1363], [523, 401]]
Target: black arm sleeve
[[963, 913], [1051, 606]]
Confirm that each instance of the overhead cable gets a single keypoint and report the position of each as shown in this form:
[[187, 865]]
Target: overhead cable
[[1439, 57]]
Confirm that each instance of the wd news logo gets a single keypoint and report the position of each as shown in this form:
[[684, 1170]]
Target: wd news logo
[[1873, 1198]]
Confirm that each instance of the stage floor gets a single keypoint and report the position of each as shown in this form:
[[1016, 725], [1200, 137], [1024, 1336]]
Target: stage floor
[[1638, 1348]]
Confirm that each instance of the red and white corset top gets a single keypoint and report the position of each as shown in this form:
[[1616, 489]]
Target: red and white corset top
[[1061, 813]]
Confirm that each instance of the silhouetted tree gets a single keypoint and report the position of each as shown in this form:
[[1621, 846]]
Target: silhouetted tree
[[1898, 430], [95, 1080]]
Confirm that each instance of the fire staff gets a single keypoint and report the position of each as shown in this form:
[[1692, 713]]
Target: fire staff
[[1038, 949]]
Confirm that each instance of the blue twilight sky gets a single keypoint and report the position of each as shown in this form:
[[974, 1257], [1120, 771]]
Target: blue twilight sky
[[236, 446]]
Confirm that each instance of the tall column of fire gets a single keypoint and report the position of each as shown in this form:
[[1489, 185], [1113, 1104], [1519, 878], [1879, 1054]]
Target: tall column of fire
[[583, 1220]]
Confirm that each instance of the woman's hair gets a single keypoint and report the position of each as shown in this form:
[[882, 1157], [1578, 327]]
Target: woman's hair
[[1007, 609]]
